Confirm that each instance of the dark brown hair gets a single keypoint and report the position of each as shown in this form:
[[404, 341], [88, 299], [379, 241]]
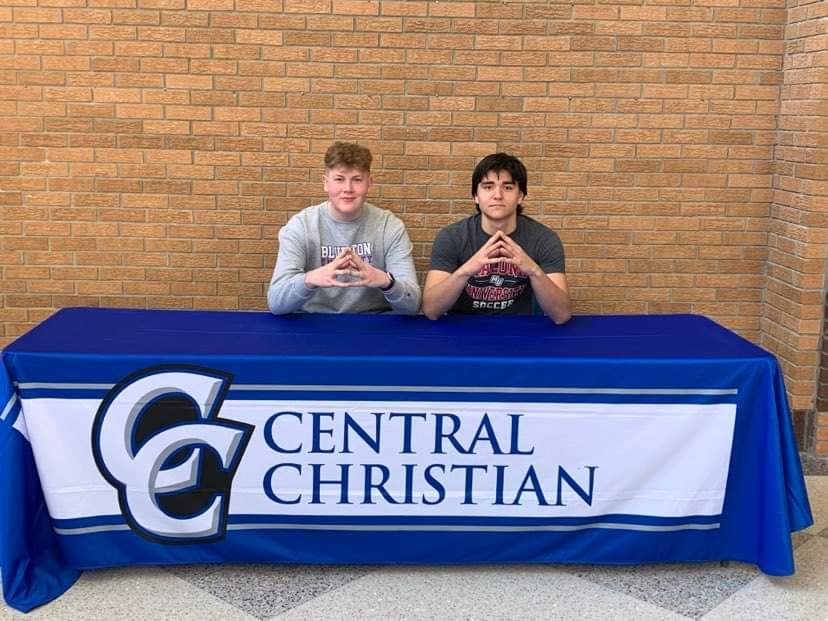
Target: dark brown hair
[[498, 162]]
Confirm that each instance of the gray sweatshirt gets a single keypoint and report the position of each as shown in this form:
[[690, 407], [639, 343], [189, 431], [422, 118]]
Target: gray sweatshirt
[[312, 238]]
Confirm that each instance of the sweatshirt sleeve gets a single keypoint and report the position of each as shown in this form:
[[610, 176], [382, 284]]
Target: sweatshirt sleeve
[[287, 292], [404, 296]]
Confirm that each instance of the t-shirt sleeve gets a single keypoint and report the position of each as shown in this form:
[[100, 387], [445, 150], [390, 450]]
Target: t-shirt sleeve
[[550, 252], [445, 252]]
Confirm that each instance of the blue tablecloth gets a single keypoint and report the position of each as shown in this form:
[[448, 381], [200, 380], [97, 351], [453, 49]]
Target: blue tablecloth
[[151, 437]]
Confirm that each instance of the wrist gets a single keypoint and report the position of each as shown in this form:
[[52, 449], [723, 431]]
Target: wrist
[[536, 272], [466, 271], [308, 283], [390, 282]]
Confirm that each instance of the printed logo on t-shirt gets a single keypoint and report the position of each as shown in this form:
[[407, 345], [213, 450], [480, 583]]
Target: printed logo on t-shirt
[[364, 249], [496, 286]]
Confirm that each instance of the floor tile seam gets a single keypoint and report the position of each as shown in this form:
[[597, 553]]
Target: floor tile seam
[[791, 593], [322, 594], [759, 578], [560, 569], [616, 592], [210, 594], [709, 605]]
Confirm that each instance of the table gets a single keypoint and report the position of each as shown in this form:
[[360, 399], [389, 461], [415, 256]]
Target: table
[[159, 437]]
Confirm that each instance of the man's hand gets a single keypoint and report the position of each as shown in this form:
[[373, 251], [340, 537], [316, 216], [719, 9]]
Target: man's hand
[[551, 291], [348, 269], [337, 273], [511, 252], [366, 275], [493, 251]]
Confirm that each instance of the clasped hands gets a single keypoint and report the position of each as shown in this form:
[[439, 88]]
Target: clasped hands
[[500, 248], [347, 269]]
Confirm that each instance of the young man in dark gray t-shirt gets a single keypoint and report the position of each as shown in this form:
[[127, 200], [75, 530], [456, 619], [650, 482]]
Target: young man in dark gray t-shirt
[[498, 261]]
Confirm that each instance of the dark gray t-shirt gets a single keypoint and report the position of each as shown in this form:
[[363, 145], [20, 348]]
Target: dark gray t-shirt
[[499, 287]]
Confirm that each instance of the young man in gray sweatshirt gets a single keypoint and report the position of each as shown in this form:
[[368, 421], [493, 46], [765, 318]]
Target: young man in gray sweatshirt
[[344, 255]]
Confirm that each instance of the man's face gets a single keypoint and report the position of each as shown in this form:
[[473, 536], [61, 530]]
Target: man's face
[[347, 189], [498, 196]]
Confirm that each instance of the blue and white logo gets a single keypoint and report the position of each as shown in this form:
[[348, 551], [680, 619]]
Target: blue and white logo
[[158, 440]]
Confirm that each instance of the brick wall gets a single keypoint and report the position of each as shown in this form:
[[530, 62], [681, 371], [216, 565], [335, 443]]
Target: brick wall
[[798, 231], [151, 149]]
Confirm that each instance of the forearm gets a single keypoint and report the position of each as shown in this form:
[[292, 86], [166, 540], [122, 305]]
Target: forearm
[[441, 292], [288, 293], [552, 298]]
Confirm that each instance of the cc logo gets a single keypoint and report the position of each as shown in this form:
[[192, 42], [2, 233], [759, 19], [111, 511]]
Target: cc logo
[[158, 440]]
